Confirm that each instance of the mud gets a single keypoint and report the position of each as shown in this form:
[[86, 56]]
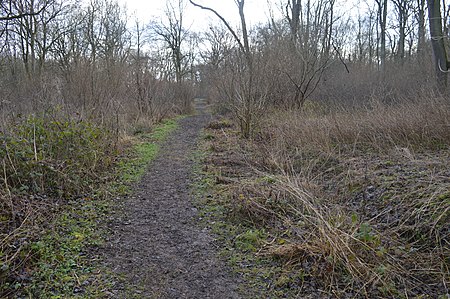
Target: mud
[[158, 245]]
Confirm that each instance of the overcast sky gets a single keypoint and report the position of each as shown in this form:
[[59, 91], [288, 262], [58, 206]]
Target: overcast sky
[[146, 10], [256, 11]]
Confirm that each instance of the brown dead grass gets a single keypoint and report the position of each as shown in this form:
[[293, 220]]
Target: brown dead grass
[[356, 198], [415, 125]]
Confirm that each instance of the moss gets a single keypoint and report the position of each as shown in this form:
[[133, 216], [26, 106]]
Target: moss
[[250, 240]]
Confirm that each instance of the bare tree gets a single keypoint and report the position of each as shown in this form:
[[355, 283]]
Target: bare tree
[[420, 17], [218, 44], [293, 11], [174, 36], [308, 58], [13, 10], [244, 99], [403, 11], [382, 23], [243, 46], [139, 61], [32, 31]]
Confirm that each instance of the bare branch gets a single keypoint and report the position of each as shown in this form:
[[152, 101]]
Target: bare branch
[[440, 67], [341, 59], [238, 40], [23, 15]]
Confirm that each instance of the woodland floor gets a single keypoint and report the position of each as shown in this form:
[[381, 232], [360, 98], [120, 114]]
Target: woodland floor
[[157, 245]]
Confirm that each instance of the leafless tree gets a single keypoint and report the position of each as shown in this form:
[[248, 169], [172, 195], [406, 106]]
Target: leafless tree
[[309, 57], [218, 44], [32, 34], [174, 35], [403, 10], [293, 11], [420, 12], [13, 10], [245, 100], [382, 23]]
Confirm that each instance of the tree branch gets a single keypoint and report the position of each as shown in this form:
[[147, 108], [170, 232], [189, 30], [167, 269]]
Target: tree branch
[[22, 15], [341, 59], [238, 40]]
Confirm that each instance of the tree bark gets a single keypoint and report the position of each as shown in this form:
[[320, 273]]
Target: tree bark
[[293, 9], [402, 8], [382, 14], [421, 30], [437, 43]]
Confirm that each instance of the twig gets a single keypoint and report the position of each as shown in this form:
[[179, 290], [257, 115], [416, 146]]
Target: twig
[[340, 58], [34, 142]]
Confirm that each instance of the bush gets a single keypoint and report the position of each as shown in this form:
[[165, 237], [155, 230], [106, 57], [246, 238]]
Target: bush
[[53, 157]]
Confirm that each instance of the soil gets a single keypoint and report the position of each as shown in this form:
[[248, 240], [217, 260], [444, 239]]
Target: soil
[[158, 245]]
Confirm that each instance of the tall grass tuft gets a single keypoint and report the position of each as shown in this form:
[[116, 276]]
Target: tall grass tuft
[[378, 127]]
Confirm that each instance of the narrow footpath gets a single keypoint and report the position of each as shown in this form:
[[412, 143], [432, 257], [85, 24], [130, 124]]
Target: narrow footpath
[[158, 246]]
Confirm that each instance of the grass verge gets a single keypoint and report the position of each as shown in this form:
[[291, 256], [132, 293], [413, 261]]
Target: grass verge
[[240, 240]]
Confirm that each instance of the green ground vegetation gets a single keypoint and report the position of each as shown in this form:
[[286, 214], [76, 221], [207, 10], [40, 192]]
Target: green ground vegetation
[[62, 180]]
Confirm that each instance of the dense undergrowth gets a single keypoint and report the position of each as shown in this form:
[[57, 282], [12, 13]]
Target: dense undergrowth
[[336, 204], [59, 177]]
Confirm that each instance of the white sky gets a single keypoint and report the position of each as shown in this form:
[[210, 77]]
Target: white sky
[[146, 10], [256, 11]]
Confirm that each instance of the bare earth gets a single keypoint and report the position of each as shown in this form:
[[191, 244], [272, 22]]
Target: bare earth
[[158, 245]]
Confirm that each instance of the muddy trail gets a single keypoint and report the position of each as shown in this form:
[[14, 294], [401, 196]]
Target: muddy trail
[[157, 244]]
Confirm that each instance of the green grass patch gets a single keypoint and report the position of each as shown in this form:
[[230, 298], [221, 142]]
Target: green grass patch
[[62, 266], [161, 132], [131, 168]]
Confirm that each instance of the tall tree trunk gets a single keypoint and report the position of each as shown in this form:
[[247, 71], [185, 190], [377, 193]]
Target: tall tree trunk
[[402, 34], [383, 21], [241, 4], [294, 18], [421, 5], [437, 43]]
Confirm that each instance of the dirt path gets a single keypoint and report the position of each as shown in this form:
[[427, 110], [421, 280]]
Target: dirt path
[[159, 246]]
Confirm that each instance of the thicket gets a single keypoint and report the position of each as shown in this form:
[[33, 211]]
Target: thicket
[[45, 163], [58, 158], [353, 202], [343, 177], [78, 84]]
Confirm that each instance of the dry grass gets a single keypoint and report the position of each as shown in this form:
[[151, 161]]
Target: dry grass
[[375, 259], [416, 125], [358, 199]]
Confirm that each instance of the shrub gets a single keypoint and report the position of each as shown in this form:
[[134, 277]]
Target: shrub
[[59, 158]]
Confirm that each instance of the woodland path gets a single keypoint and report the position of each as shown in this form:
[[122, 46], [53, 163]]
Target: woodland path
[[158, 245]]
